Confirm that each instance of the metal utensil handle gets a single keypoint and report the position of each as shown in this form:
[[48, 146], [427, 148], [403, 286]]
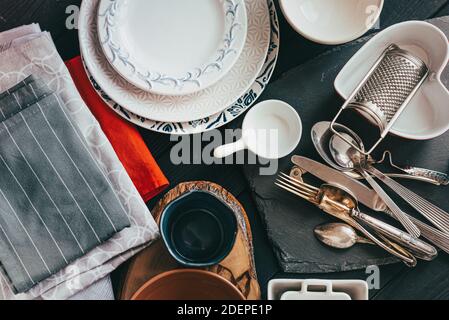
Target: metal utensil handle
[[397, 212], [437, 216], [407, 257], [437, 237], [357, 176], [420, 248], [363, 240], [394, 245], [421, 178], [427, 175], [440, 178]]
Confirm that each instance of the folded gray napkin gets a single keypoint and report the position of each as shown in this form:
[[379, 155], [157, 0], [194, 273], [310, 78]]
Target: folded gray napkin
[[55, 203], [39, 56]]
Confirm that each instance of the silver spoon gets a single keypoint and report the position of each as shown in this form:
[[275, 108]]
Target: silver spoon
[[350, 159], [321, 135], [339, 235]]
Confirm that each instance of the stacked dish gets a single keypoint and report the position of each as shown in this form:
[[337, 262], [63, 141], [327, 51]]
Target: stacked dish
[[184, 70]]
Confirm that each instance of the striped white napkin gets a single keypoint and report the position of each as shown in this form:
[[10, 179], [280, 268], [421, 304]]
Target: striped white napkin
[[39, 56]]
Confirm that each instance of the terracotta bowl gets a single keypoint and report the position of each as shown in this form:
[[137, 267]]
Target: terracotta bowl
[[188, 284]]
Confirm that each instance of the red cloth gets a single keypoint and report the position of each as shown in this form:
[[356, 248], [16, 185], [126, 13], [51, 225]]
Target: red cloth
[[124, 137]]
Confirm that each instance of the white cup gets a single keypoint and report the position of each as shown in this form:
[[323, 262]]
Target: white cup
[[272, 130]]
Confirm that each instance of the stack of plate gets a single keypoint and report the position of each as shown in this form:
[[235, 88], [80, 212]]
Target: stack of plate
[[177, 66]]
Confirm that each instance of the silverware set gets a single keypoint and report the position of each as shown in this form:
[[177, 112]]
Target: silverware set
[[431, 212], [343, 206], [381, 97], [348, 158], [339, 198], [365, 195]]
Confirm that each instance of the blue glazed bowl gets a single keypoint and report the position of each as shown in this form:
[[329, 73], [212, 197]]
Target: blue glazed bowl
[[198, 229]]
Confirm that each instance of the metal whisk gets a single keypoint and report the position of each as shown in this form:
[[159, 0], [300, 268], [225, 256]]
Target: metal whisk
[[386, 91]]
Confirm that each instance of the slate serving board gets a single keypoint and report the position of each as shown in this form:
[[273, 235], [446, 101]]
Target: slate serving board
[[289, 220]]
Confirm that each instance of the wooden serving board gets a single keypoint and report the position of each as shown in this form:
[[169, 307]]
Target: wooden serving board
[[238, 267]]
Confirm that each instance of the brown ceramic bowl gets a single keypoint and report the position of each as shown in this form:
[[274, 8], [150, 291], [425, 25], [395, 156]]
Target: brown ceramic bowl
[[188, 284]]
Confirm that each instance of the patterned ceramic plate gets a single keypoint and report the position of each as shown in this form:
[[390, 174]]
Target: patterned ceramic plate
[[221, 118], [172, 47], [185, 107]]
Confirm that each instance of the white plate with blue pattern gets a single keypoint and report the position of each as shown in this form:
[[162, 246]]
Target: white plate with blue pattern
[[178, 108], [172, 47], [221, 118]]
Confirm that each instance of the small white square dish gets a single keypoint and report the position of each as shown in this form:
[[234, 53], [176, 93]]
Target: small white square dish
[[314, 289]]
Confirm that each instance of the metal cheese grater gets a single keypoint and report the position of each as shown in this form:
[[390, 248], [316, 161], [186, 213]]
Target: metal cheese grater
[[386, 90]]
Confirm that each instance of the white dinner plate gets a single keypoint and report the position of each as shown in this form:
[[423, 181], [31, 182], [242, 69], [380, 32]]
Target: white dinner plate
[[172, 47], [219, 119], [181, 108]]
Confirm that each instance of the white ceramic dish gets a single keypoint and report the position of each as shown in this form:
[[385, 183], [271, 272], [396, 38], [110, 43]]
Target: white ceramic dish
[[172, 47], [306, 293], [216, 120], [331, 21], [427, 115], [272, 129], [186, 107], [355, 289]]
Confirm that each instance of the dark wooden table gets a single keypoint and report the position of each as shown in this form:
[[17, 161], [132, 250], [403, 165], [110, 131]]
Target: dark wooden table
[[427, 281]]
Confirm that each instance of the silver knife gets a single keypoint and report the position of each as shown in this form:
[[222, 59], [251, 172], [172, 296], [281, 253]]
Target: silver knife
[[366, 196]]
